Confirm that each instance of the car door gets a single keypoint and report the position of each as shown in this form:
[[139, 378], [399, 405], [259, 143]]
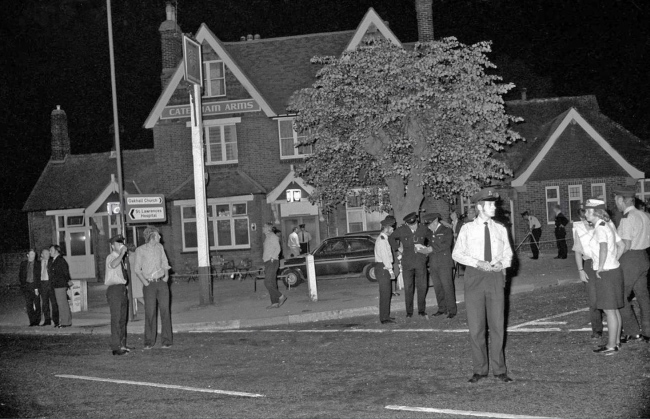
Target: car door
[[329, 258], [361, 252]]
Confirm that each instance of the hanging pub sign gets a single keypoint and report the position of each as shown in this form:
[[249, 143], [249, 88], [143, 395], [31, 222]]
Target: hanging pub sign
[[193, 61]]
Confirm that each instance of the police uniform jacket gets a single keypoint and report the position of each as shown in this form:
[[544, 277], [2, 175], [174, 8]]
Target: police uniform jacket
[[405, 236], [440, 242]]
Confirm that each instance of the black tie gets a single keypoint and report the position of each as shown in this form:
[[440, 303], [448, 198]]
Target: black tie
[[488, 246]]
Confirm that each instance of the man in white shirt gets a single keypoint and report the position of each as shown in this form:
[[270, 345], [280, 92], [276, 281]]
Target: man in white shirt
[[294, 243], [535, 231], [116, 294], [483, 247], [384, 269], [634, 229]]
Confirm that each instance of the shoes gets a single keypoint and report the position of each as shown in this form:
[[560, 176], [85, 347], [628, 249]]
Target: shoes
[[46, 324], [604, 350], [147, 347], [408, 316], [439, 313], [451, 315], [120, 352], [33, 324], [476, 377], [283, 298], [597, 335], [557, 257], [645, 339], [424, 315], [274, 305], [504, 377], [55, 325], [127, 348], [63, 325], [387, 321], [166, 346], [534, 258], [630, 338]]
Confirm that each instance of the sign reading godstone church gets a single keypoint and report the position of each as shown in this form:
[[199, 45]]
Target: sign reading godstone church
[[212, 108]]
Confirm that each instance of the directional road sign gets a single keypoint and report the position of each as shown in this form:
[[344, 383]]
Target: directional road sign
[[145, 209]]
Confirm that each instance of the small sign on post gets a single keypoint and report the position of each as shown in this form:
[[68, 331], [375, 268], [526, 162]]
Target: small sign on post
[[193, 61], [145, 209]]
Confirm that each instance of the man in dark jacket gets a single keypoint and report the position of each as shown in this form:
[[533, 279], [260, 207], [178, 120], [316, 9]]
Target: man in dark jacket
[[30, 282], [441, 264], [59, 274], [414, 264], [560, 233]]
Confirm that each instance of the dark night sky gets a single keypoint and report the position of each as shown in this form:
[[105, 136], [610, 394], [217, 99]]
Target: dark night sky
[[55, 52]]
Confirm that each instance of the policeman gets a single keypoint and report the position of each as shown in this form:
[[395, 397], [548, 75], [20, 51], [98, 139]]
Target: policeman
[[384, 269], [441, 264], [634, 229], [483, 247], [414, 263]]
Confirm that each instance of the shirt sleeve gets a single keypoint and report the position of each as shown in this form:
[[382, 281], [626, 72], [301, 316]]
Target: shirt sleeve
[[600, 234], [628, 227], [461, 252]]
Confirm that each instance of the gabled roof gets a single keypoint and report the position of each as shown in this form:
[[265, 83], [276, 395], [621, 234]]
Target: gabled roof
[[80, 179], [225, 183], [290, 178], [271, 70], [545, 120]]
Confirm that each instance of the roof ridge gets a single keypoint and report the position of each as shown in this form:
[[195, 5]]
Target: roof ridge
[[284, 38], [551, 99]]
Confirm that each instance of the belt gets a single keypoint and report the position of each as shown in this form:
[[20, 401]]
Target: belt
[[156, 279]]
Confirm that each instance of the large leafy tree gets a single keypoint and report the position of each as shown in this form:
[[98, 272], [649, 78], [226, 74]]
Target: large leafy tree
[[426, 121]]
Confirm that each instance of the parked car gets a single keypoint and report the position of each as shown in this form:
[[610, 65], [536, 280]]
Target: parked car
[[349, 254]]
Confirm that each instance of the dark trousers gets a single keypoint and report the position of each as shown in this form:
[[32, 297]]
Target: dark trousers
[[156, 298], [271, 279], [32, 304], [534, 241], [485, 303], [635, 264], [385, 291], [595, 315], [118, 302], [560, 236], [443, 285], [304, 247], [415, 277], [48, 299]]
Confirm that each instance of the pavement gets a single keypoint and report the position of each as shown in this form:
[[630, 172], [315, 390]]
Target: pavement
[[238, 306]]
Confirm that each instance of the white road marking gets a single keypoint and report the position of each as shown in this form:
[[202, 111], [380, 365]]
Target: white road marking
[[540, 322], [171, 386], [536, 329], [568, 313], [464, 412]]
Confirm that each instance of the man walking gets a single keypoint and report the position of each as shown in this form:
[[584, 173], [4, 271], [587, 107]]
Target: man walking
[[483, 247], [304, 238], [634, 230], [384, 269], [560, 233], [116, 294], [271, 258], [414, 263], [535, 231], [441, 264], [152, 268]]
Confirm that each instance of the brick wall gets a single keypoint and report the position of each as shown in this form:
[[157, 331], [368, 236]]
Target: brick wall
[[9, 268], [42, 232]]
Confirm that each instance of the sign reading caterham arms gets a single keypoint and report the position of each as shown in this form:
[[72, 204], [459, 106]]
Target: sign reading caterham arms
[[145, 209], [212, 108]]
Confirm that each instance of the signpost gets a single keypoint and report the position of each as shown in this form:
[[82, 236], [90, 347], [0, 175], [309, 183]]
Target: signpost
[[193, 60], [145, 209]]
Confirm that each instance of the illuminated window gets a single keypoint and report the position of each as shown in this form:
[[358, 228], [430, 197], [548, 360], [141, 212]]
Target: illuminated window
[[552, 199], [215, 79], [228, 226]]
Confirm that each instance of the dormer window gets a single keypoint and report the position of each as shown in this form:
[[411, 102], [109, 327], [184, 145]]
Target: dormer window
[[289, 140], [215, 79]]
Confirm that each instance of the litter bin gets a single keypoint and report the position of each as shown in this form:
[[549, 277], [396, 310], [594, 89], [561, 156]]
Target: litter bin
[[78, 295]]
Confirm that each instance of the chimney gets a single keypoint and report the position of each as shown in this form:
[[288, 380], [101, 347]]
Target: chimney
[[171, 39], [249, 37], [60, 138], [523, 93], [424, 11]]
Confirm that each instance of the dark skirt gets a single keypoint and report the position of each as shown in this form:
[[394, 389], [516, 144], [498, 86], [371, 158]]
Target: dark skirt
[[610, 290]]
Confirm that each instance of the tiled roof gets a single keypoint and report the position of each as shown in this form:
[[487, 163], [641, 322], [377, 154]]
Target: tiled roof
[[221, 184], [542, 117], [280, 66], [79, 179]]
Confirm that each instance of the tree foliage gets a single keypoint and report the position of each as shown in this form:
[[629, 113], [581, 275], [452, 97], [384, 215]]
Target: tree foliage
[[426, 121]]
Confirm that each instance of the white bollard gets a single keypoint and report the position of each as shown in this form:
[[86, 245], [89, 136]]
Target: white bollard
[[311, 278]]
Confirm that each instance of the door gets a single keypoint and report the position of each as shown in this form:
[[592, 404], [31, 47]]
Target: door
[[78, 252], [311, 225]]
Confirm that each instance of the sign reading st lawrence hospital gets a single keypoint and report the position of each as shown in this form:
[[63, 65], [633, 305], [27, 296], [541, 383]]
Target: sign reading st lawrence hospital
[[145, 208], [212, 108]]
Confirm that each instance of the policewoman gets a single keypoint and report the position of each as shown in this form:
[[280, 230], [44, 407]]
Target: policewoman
[[483, 247]]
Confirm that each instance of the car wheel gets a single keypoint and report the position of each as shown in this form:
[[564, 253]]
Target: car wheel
[[291, 277], [369, 272]]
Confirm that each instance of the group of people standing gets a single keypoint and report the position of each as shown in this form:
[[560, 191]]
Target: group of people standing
[[535, 232], [613, 262], [482, 246], [44, 283]]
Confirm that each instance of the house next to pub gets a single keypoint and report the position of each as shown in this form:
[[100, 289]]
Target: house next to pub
[[572, 151]]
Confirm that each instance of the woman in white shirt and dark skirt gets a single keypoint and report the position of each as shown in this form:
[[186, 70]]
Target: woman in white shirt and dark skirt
[[604, 252]]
